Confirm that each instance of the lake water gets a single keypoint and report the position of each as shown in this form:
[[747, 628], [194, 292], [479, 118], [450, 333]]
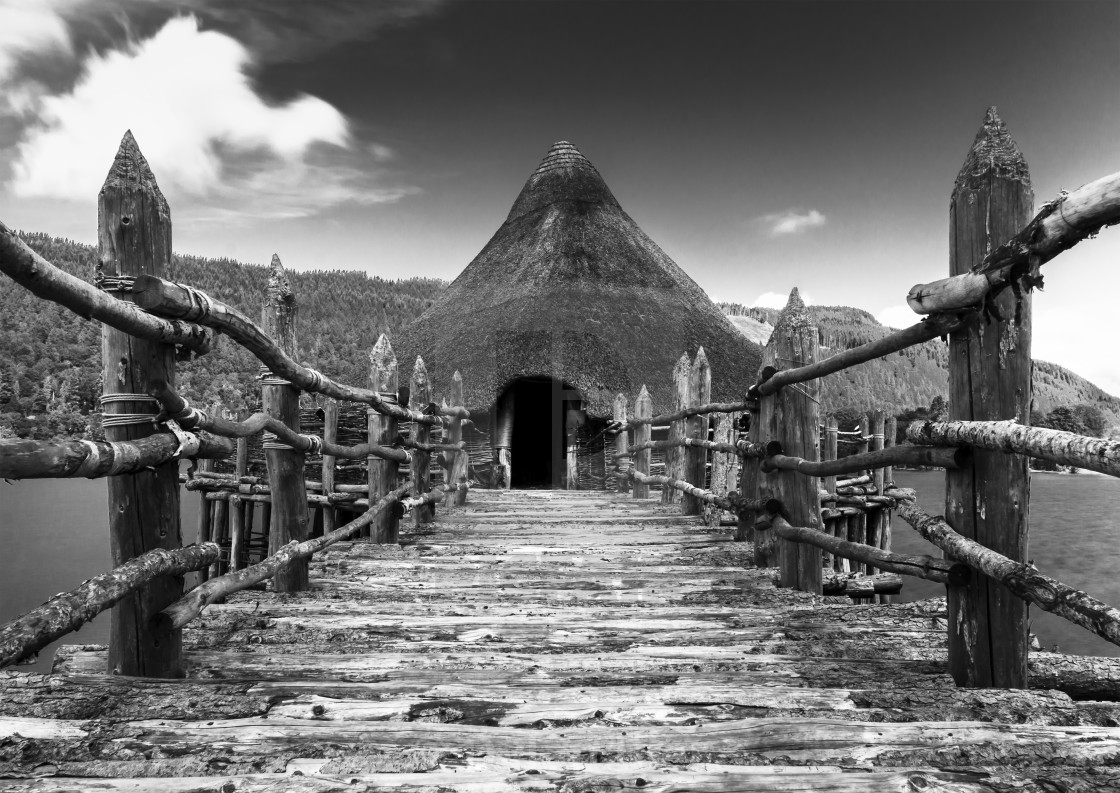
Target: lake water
[[54, 535]]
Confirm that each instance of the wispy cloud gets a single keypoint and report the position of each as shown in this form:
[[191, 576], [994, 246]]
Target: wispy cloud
[[28, 26], [792, 221], [201, 125], [900, 316], [778, 300]]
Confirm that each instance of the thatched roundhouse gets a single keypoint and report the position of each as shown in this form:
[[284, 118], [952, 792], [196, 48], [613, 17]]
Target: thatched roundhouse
[[568, 304]]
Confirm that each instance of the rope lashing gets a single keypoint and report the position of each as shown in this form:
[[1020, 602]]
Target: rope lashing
[[271, 441], [266, 377], [127, 419], [113, 283], [200, 303]]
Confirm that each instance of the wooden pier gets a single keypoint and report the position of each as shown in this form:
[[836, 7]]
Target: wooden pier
[[551, 641]]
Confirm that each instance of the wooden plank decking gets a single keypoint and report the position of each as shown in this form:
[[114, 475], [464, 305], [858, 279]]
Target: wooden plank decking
[[551, 641]]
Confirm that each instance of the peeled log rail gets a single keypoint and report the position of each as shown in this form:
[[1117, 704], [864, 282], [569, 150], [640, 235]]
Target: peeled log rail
[[433, 496], [1020, 578], [732, 502], [191, 605], [27, 459], [1057, 227], [1065, 448], [731, 448], [24, 636], [177, 407], [930, 328], [859, 586], [713, 407], [939, 570], [175, 300], [43, 279], [895, 455]]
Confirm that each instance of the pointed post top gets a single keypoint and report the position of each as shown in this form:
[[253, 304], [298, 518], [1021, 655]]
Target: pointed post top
[[419, 384], [383, 366], [793, 317], [620, 400], [130, 171], [993, 153], [644, 397], [419, 369], [683, 363], [701, 361], [279, 286], [456, 378]]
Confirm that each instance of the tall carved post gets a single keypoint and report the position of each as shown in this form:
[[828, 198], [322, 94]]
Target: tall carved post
[[990, 379], [330, 435], [457, 471], [875, 516], [420, 389], [750, 486], [503, 440], [696, 427], [643, 409], [831, 448], [720, 465], [792, 416], [674, 455], [237, 506], [621, 458], [134, 238], [382, 430], [280, 399]]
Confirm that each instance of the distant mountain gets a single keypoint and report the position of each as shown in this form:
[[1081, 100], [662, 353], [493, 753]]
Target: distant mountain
[[50, 359], [910, 378]]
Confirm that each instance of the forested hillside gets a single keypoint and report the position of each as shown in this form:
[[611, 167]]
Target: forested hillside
[[915, 376], [50, 359]]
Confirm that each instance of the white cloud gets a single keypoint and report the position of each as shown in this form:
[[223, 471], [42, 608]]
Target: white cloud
[[792, 221], [778, 300], [901, 316], [29, 26], [206, 133]]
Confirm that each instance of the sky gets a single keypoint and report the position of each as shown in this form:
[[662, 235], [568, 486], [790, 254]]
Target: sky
[[762, 145]]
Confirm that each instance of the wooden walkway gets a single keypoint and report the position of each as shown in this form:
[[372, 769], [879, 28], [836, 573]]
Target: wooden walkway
[[548, 641]]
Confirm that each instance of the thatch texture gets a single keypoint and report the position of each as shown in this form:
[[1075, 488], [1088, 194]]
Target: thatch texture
[[569, 287]]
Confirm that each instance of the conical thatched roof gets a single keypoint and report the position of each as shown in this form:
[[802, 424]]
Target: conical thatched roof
[[569, 287]]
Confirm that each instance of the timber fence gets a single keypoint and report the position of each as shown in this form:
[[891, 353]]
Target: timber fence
[[148, 325], [818, 527]]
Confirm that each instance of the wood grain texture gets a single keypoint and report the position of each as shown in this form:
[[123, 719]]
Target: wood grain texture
[[674, 456], [695, 458], [382, 476], [134, 238], [285, 466], [643, 408], [990, 380], [420, 388]]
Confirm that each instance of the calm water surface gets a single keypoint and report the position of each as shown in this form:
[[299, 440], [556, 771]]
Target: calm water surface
[[54, 535]]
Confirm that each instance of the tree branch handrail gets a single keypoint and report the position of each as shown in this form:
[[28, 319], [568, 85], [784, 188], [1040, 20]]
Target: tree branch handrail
[[698, 410], [31, 459], [67, 611], [1057, 446], [732, 502], [941, 571], [1058, 226], [740, 448], [191, 604], [44, 280], [168, 299], [894, 455], [1020, 578], [188, 417], [931, 327]]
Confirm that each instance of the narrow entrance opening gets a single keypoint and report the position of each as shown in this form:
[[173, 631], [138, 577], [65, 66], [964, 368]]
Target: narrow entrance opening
[[537, 440]]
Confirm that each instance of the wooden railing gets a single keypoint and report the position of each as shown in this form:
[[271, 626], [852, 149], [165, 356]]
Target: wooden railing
[[147, 321], [984, 310]]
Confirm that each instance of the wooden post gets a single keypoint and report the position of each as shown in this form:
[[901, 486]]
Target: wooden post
[[674, 457], [721, 462], [237, 505], [890, 432], [280, 399], [750, 487], [696, 458], [203, 524], [330, 435], [134, 238], [792, 416], [421, 394], [864, 432], [875, 517], [382, 430], [990, 379], [831, 438], [457, 470], [643, 409], [621, 458]]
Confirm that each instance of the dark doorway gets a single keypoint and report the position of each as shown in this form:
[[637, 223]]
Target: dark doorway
[[537, 438]]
